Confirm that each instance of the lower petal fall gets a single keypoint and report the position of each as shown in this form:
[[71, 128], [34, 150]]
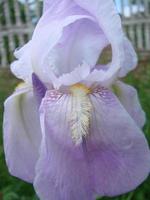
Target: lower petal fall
[[113, 159]]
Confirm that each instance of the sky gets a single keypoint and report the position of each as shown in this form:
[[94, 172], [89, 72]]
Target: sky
[[127, 8]]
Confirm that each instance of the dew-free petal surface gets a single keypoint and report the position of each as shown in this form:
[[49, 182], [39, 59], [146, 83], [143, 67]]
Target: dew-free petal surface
[[129, 98], [22, 134], [112, 160]]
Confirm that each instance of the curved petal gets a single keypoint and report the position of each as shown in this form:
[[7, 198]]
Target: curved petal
[[22, 68], [124, 155], [130, 59], [81, 41], [59, 173], [77, 75], [108, 18], [22, 134], [47, 4], [112, 160], [43, 46], [65, 44], [129, 98], [56, 6]]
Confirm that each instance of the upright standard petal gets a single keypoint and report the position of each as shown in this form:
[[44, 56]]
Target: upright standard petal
[[42, 63], [109, 20], [22, 134], [113, 159], [130, 58], [56, 6], [50, 4], [65, 45], [129, 99], [79, 74], [80, 46]]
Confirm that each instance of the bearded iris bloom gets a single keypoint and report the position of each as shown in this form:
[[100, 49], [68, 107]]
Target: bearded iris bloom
[[73, 129]]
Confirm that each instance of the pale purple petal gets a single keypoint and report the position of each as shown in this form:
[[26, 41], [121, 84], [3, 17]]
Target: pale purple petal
[[57, 7], [59, 43], [22, 134], [112, 160], [65, 45], [64, 171], [22, 67], [42, 63], [60, 173], [109, 20], [77, 75], [125, 156], [130, 58], [75, 46], [129, 99], [50, 4]]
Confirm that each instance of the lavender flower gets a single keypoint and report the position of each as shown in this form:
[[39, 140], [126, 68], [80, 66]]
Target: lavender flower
[[73, 129]]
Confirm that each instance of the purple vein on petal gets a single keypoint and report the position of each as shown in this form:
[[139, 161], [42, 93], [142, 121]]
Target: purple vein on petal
[[39, 88], [84, 148]]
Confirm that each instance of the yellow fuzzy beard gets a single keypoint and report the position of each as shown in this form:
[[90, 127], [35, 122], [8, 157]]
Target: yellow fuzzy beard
[[81, 112]]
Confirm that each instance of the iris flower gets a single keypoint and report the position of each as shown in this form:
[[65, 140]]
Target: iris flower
[[73, 129]]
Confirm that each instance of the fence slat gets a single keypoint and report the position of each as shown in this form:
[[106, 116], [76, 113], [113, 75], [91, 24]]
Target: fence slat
[[17, 13], [131, 34], [7, 14], [147, 36], [11, 42], [28, 14], [4, 62], [130, 8], [122, 8], [146, 5], [139, 37], [21, 40]]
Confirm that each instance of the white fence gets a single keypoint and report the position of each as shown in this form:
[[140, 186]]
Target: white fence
[[18, 18], [136, 20]]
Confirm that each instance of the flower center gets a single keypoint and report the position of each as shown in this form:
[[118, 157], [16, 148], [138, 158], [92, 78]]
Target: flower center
[[79, 89], [81, 112]]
